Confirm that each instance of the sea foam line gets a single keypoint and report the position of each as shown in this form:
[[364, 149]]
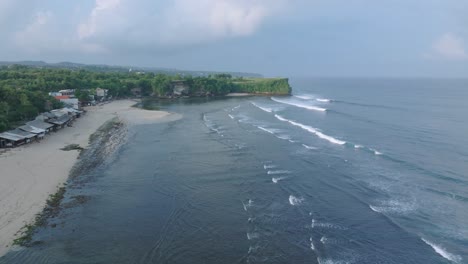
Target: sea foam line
[[269, 166], [304, 97], [308, 147], [297, 104], [276, 180], [312, 130], [316, 224], [275, 172], [443, 252], [268, 110]]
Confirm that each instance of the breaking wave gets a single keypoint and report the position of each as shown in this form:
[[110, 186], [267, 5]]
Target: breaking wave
[[312, 130], [443, 252], [293, 200], [299, 104], [316, 224], [393, 207], [269, 166], [275, 172], [308, 147], [268, 110], [276, 180]]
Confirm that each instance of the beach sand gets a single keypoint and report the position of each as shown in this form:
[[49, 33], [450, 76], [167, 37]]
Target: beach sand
[[29, 174]]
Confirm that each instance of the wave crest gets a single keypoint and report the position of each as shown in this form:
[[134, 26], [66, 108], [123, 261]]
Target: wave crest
[[312, 130]]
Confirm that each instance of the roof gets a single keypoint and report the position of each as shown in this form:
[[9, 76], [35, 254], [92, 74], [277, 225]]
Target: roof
[[59, 120], [21, 133], [32, 129], [58, 97], [10, 136], [73, 110], [39, 124]]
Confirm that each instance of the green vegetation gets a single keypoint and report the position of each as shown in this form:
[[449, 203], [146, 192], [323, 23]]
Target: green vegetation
[[24, 90], [263, 86], [51, 209]]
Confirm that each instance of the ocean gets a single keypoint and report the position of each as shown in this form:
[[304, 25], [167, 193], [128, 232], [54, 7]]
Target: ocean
[[343, 171]]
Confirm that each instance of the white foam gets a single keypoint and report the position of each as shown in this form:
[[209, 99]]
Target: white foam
[[232, 117], [252, 249], [268, 110], [308, 147], [304, 96], [293, 200], [312, 244], [247, 205], [443, 252], [323, 240], [393, 207], [300, 105], [267, 130], [275, 172], [323, 100], [236, 107], [276, 180], [313, 131], [316, 224], [331, 261], [251, 236], [284, 137], [358, 146], [271, 166]]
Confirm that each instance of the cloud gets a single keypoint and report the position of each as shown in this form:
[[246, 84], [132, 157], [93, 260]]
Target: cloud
[[449, 47], [144, 23]]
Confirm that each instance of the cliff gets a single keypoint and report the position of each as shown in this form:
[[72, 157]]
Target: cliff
[[276, 86]]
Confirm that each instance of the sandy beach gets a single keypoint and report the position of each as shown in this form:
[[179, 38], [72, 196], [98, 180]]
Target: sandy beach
[[29, 174]]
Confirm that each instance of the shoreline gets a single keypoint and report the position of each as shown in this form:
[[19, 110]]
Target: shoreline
[[31, 173]]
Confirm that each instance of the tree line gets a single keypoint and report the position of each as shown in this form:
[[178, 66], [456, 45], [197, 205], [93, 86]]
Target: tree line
[[24, 90]]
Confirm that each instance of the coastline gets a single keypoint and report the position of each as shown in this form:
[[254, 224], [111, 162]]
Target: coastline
[[31, 173]]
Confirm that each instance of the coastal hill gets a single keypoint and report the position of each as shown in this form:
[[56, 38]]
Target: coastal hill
[[25, 91], [121, 69]]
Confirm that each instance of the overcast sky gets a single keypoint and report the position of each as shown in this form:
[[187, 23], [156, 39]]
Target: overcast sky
[[274, 37]]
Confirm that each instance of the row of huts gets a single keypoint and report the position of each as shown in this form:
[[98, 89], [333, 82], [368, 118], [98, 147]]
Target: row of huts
[[37, 129]]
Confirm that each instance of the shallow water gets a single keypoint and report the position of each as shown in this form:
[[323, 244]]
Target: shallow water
[[347, 171]]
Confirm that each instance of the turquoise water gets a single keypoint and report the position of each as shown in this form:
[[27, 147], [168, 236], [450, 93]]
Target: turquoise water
[[344, 171]]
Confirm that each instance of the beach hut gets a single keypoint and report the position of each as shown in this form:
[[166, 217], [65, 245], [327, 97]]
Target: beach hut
[[59, 122], [28, 136], [39, 132], [47, 127], [8, 140]]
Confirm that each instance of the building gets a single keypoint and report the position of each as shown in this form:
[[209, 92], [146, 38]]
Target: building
[[16, 137], [47, 127], [101, 93], [39, 132], [71, 102], [180, 88], [69, 92]]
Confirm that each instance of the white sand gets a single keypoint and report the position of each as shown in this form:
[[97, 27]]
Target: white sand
[[29, 174]]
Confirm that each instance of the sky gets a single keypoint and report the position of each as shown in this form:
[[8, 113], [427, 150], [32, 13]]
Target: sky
[[317, 38]]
